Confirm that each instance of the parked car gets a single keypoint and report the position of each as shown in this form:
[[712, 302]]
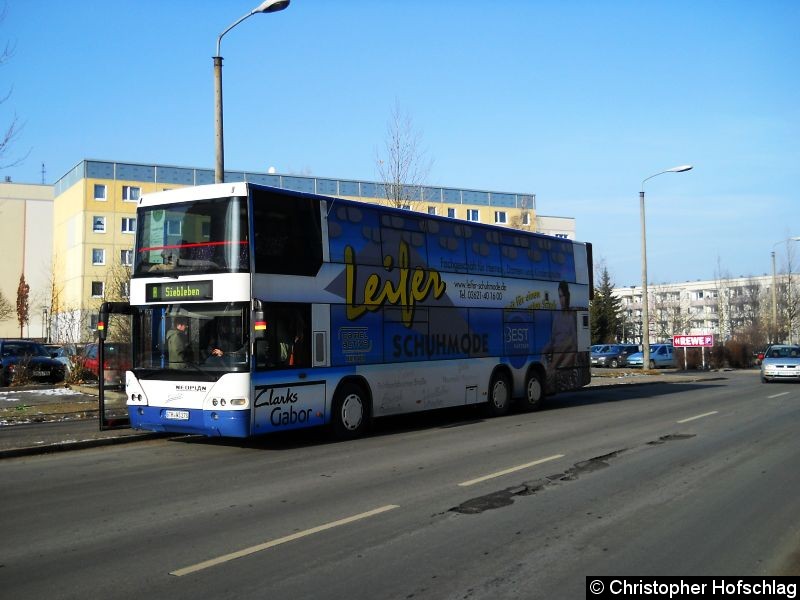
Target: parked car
[[117, 361], [613, 355], [32, 357], [68, 355], [661, 355], [781, 362]]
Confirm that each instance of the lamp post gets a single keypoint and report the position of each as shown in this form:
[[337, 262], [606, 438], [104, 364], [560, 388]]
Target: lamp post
[[775, 291], [645, 315], [268, 6]]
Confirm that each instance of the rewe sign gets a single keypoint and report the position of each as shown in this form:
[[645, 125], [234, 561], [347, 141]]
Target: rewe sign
[[693, 341]]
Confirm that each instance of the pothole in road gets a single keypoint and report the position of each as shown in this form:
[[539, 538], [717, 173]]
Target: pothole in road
[[505, 497], [671, 438]]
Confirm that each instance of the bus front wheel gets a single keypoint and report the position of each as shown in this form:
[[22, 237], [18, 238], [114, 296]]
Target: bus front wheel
[[534, 392], [499, 395], [350, 416]]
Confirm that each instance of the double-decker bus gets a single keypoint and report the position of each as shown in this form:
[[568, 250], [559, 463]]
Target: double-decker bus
[[259, 310]]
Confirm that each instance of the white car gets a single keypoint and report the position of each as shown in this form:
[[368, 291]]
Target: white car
[[781, 363]]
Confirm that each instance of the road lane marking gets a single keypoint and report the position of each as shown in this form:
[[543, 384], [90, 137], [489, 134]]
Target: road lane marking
[[778, 395], [510, 470], [708, 414], [271, 544]]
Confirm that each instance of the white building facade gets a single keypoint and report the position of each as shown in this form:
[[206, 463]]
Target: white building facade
[[743, 308]]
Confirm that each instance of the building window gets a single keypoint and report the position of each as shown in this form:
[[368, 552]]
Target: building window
[[128, 225], [98, 256], [174, 227], [125, 289], [451, 212], [500, 216], [562, 235], [126, 257], [473, 214], [99, 224], [94, 319], [526, 218], [131, 193], [431, 210], [97, 289], [406, 207], [100, 192]]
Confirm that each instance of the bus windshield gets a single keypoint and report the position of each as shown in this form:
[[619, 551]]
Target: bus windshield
[[206, 236], [198, 340]]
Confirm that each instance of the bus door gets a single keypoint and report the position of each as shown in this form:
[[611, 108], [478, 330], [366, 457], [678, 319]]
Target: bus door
[[285, 396]]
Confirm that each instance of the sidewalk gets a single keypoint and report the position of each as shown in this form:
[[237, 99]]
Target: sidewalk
[[36, 419], [78, 427]]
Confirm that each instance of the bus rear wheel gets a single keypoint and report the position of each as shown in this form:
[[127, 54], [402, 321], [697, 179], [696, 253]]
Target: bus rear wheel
[[534, 392], [499, 395], [350, 417]]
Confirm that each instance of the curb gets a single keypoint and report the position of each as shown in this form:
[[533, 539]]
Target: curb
[[80, 445]]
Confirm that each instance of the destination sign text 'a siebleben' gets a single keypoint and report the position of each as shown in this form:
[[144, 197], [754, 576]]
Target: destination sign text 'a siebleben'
[[179, 292]]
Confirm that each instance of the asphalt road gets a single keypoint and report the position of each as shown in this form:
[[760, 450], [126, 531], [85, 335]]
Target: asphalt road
[[684, 479]]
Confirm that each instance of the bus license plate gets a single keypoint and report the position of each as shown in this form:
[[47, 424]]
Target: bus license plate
[[178, 415], [41, 373]]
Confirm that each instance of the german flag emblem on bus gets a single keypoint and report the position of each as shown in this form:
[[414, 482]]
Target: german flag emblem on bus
[[260, 326]]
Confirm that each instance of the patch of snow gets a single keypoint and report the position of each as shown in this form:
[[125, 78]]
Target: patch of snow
[[13, 395]]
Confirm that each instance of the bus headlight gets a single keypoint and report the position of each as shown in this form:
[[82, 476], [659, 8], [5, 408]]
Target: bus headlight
[[239, 402]]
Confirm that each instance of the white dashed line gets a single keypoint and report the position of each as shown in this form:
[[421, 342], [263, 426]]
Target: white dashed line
[[708, 414], [510, 470], [778, 395], [271, 544]]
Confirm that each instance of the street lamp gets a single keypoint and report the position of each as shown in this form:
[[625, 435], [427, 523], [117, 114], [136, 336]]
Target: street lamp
[[645, 315], [775, 291], [268, 6]]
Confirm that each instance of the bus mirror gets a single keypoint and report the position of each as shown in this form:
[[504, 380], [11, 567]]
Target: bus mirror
[[259, 325]]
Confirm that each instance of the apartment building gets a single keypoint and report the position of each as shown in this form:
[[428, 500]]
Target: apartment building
[[94, 222], [26, 223], [724, 307]]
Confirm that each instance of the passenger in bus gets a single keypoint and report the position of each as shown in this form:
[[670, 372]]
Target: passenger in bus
[[179, 348], [228, 339], [298, 356], [560, 351], [283, 340]]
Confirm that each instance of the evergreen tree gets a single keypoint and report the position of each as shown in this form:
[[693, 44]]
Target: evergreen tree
[[604, 311]]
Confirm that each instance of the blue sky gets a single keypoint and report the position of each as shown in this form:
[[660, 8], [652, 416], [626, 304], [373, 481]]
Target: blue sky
[[574, 101]]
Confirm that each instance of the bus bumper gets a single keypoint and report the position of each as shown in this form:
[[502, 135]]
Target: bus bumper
[[219, 423]]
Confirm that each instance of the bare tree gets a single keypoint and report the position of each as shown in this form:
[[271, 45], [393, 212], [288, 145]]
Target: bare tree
[[404, 167], [669, 319], [116, 288], [6, 308], [724, 306], [12, 131], [746, 308], [789, 296]]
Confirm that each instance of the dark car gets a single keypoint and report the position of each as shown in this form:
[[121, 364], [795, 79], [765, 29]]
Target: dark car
[[612, 355], [117, 361], [24, 358]]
